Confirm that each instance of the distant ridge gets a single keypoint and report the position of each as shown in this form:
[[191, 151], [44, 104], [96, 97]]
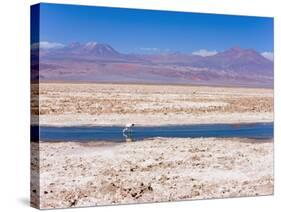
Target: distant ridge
[[99, 62]]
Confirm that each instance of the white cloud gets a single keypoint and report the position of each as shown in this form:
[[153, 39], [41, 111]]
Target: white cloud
[[204, 52], [268, 55], [91, 44], [149, 49], [153, 50], [47, 45]]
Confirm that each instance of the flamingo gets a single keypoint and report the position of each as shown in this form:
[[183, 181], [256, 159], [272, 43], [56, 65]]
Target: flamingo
[[128, 128]]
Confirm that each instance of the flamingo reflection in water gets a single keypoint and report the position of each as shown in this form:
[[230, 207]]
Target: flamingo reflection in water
[[128, 131]]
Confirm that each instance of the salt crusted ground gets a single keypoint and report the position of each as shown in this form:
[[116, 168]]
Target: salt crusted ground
[[117, 104], [161, 169]]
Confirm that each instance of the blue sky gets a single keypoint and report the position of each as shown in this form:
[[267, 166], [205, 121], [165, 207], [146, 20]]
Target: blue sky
[[129, 30]]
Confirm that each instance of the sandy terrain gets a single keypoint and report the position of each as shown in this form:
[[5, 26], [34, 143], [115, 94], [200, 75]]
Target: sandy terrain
[[115, 104], [162, 169]]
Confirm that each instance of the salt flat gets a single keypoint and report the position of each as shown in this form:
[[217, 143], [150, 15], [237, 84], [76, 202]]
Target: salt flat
[[157, 169], [65, 104], [160, 169]]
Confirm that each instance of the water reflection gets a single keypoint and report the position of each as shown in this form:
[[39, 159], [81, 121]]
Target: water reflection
[[128, 136]]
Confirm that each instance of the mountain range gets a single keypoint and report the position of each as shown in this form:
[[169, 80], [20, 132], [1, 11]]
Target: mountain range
[[96, 62]]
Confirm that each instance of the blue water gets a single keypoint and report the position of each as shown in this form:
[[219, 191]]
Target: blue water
[[115, 134]]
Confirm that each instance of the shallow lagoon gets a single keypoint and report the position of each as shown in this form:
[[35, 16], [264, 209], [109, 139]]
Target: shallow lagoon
[[115, 134]]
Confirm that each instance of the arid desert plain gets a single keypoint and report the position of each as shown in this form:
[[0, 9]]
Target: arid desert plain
[[116, 104], [76, 174]]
